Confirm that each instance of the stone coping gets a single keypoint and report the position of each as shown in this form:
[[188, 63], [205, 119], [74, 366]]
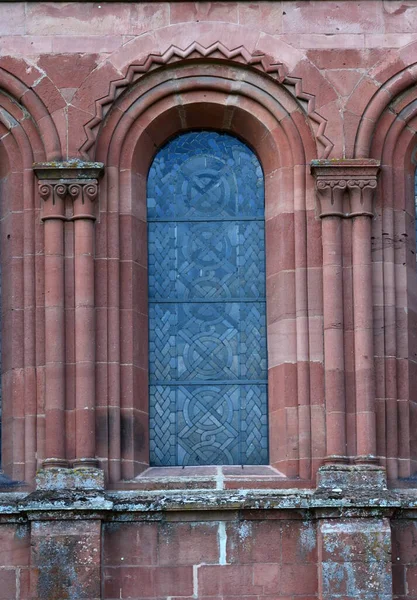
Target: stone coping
[[199, 504], [68, 170]]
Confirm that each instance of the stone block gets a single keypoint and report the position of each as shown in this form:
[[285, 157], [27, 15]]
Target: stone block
[[130, 544], [7, 583], [58, 478], [65, 560], [253, 542], [355, 559], [188, 543], [342, 477]]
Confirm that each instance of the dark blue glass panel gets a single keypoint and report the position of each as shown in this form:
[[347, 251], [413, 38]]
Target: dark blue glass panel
[[206, 260], [205, 175], [208, 424], [207, 336]]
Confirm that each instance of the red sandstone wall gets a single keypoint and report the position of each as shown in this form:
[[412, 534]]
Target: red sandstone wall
[[14, 561], [212, 559], [260, 558], [404, 569], [336, 71], [350, 90], [344, 49], [285, 555]]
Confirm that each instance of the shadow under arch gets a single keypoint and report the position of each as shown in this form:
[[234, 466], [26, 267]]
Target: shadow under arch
[[235, 99]]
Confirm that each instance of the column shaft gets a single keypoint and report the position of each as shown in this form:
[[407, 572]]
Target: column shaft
[[84, 339], [84, 323], [363, 335], [334, 361], [54, 325]]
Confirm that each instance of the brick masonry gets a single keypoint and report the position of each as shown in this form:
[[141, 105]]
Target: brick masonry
[[324, 92]]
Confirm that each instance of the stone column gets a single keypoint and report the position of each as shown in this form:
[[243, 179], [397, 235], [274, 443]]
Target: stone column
[[59, 183], [345, 190], [331, 195], [361, 192], [84, 194], [53, 215]]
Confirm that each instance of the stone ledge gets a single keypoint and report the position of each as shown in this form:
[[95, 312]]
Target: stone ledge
[[67, 504], [68, 169], [351, 477], [209, 478], [59, 478]]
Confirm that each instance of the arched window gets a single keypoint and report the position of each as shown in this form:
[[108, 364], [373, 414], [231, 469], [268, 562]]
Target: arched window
[[207, 324]]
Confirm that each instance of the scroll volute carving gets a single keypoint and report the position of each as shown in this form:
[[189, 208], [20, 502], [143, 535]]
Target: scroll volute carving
[[83, 195], [345, 188], [54, 195], [76, 180]]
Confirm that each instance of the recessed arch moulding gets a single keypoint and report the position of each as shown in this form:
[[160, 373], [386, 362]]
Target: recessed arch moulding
[[27, 134], [387, 132], [247, 97]]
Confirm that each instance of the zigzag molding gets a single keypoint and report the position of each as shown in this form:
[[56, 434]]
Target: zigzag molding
[[240, 55]]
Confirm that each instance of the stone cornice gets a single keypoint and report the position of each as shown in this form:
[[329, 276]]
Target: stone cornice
[[68, 170], [134, 506], [345, 188]]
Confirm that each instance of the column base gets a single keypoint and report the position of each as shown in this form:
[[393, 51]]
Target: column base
[[52, 463], [82, 478], [81, 463], [336, 459], [354, 477], [366, 460]]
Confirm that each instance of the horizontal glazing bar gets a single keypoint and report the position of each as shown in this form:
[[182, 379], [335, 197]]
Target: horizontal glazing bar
[[186, 382], [205, 219], [207, 301]]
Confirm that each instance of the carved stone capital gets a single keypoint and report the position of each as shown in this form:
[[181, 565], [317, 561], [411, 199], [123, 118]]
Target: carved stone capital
[[83, 194], [74, 179], [345, 187]]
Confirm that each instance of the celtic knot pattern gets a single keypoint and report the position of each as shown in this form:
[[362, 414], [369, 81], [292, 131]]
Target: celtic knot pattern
[[207, 334]]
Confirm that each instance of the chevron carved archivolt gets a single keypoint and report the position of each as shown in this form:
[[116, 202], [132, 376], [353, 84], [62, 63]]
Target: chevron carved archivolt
[[240, 55]]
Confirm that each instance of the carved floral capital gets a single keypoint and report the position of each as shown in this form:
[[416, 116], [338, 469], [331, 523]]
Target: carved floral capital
[[345, 188]]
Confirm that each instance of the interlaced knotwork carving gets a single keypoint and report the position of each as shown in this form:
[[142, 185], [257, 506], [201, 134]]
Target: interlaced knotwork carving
[[207, 337]]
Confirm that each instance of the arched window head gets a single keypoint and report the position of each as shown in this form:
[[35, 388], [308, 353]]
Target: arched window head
[[207, 325]]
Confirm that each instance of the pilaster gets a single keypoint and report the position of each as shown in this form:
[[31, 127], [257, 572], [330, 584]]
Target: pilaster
[[69, 191], [345, 190]]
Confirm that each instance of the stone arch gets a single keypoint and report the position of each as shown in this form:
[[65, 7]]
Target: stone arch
[[387, 131], [27, 135], [258, 61], [232, 98]]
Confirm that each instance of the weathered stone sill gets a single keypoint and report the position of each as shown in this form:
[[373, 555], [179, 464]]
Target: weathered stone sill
[[204, 504]]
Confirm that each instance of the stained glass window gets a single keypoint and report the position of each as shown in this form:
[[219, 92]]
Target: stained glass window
[[207, 326]]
